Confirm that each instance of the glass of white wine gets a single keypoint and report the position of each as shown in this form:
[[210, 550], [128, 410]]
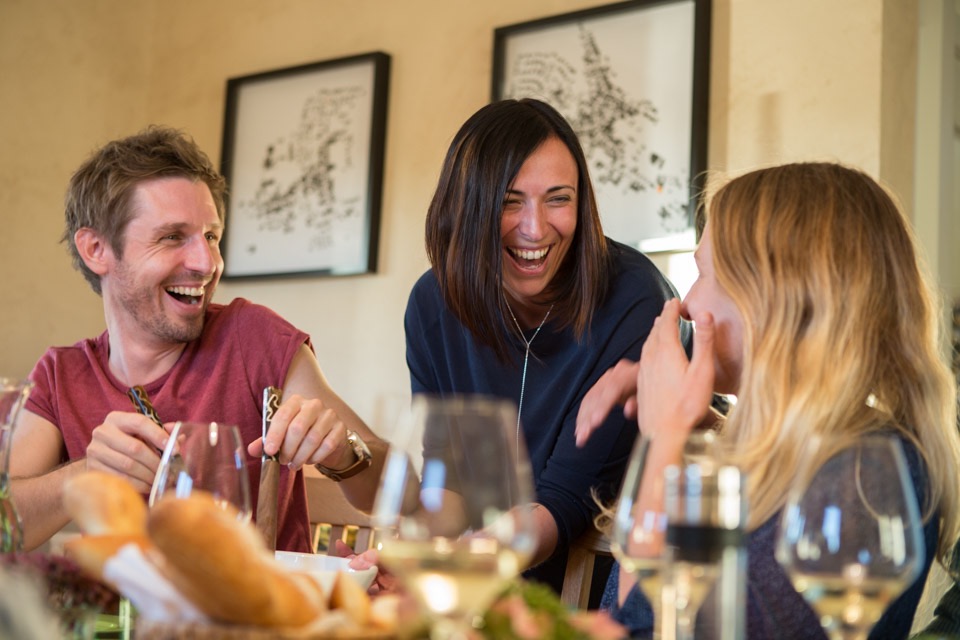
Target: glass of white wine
[[459, 530], [851, 539], [637, 534]]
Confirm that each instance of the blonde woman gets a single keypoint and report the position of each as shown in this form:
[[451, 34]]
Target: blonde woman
[[810, 301]]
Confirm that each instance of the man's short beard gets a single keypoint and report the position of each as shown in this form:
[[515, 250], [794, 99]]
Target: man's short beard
[[183, 334]]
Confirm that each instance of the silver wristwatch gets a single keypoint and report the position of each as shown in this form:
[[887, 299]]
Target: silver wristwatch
[[364, 459]]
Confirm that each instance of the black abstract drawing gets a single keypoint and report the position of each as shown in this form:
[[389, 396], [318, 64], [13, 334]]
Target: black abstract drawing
[[301, 187], [611, 125]]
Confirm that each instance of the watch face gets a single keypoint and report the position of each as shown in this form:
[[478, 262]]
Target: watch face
[[359, 446]]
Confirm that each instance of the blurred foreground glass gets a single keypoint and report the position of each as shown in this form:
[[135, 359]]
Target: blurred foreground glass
[[13, 393], [638, 534], [656, 549], [460, 531], [204, 456], [851, 539], [706, 516]]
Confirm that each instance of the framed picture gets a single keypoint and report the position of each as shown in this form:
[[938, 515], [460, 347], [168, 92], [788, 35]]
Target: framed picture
[[303, 157], [632, 78]]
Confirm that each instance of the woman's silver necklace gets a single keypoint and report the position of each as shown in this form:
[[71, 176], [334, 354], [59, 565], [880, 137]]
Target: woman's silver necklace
[[526, 359]]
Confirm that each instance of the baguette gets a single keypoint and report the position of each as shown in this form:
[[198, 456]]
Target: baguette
[[351, 598], [223, 566], [91, 553], [104, 504]]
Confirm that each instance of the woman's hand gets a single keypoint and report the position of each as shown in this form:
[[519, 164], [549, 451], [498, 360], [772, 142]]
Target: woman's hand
[[616, 386], [385, 582], [674, 393]]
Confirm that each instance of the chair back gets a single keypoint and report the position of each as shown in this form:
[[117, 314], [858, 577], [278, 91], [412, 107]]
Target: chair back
[[580, 562], [329, 509]]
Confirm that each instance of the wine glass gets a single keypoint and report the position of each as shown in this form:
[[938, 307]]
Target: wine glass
[[706, 515], [639, 525], [644, 537], [204, 456], [851, 540], [458, 532], [13, 393]]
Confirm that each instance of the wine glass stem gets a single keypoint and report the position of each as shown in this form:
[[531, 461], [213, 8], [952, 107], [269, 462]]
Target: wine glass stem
[[657, 623], [684, 625]]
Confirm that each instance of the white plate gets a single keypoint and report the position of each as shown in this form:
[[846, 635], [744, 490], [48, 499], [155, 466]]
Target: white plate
[[325, 568]]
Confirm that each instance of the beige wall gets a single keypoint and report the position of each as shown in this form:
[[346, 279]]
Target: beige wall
[[790, 80]]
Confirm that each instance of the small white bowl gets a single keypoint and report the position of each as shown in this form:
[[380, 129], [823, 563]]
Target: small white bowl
[[325, 568]]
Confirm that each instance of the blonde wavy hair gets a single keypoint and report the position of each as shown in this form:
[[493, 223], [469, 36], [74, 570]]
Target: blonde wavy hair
[[821, 262]]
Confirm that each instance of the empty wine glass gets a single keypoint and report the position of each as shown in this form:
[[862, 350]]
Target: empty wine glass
[[851, 539], [705, 518], [673, 581], [460, 531], [204, 456]]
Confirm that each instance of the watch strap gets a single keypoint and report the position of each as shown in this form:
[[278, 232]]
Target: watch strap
[[360, 450]]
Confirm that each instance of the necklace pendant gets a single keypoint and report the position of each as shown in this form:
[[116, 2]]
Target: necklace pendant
[[526, 360]]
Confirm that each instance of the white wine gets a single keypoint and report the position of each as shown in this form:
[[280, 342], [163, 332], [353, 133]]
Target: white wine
[[453, 578], [693, 582], [844, 606], [648, 573]]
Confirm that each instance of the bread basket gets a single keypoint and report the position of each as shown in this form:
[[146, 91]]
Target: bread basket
[[153, 630]]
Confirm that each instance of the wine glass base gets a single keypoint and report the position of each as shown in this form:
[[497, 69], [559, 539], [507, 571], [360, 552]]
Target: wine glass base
[[448, 629]]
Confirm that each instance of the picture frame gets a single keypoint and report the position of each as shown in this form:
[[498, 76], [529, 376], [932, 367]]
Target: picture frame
[[303, 154], [632, 78]]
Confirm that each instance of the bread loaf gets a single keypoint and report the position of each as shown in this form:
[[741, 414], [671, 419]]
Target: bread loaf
[[218, 563], [92, 552], [223, 566], [104, 504], [350, 597]]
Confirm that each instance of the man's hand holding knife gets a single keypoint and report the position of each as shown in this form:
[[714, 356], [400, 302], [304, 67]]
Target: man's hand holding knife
[[129, 444]]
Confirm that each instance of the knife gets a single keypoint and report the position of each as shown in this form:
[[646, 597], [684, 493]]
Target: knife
[[269, 474], [142, 403]]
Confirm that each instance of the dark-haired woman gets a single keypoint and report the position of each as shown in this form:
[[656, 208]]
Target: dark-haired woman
[[527, 300]]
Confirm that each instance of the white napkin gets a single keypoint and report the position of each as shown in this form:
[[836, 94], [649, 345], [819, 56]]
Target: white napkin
[[150, 592]]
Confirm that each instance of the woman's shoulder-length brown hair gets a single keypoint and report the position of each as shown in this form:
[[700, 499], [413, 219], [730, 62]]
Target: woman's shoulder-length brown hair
[[463, 222]]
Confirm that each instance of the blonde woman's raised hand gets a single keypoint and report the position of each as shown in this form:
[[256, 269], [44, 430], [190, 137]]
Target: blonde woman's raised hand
[[674, 393]]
